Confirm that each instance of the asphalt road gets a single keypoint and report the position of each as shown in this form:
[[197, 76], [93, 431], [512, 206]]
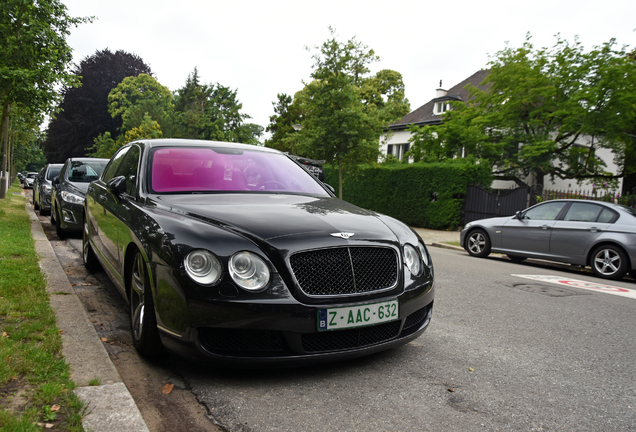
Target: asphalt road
[[502, 353]]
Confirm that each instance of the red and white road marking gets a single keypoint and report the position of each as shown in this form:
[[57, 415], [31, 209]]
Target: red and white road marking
[[575, 283]]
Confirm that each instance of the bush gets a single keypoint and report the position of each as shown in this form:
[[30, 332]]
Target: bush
[[426, 195]]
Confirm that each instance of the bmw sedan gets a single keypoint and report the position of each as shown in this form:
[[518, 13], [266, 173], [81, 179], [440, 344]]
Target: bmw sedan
[[598, 234], [235, 254], [69, 191]]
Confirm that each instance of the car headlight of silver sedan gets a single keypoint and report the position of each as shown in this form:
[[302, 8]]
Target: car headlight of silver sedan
[[203, 267], [71, 198], [249, 271], [412, 260]]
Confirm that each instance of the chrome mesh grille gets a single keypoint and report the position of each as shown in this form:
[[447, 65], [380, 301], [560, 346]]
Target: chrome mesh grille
[[345, 271]]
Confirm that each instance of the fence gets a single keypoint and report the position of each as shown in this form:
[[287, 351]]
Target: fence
[[602, 195]]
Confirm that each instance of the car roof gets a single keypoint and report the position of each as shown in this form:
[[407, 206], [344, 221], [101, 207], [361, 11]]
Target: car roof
[[86, 159], [177, 142]]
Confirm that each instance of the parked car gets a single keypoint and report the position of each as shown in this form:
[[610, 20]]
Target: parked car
[[235, 254], [42, 187], [598, 234], [311, 165], [29, 179], [69, 192]]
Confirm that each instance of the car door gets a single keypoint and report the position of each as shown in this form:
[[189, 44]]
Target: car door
[[531, 232], [582, 223], [100, 202]]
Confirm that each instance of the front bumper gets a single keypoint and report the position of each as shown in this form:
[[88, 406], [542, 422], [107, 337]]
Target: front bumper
[[285, 333], [71, 217]]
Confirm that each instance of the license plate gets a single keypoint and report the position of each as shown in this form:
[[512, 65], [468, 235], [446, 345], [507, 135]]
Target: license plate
[[357, 316]]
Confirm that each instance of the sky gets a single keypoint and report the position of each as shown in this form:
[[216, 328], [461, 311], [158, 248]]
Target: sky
[[259, 48]]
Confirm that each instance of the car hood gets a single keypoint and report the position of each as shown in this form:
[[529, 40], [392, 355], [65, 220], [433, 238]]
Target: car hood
[[273, 217], [76, 187]]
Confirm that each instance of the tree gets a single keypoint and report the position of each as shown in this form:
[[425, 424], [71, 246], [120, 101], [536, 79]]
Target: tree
[[287, 112], [34, 56], [543, 112], [213, 112], [83, 113], [338, 127]]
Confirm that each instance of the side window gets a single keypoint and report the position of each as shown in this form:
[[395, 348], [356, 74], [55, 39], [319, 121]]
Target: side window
[[607, 216], [583, 212], [547, 211], [128, 169], [111, 169]]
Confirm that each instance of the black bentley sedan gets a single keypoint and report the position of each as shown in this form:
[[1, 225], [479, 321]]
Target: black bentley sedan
[[235, 254]]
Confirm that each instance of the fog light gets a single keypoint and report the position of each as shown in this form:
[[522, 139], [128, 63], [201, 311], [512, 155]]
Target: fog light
[[68, 216]]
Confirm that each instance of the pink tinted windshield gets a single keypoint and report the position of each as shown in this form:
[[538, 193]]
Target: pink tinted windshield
[[200, 169]]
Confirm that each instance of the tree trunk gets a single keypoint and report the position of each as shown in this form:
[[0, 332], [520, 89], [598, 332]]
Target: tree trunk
[[339, 179]]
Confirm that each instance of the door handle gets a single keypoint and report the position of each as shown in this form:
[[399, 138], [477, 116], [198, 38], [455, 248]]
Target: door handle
[[102, 197], [545, 227], [592, 229], [90, 189]]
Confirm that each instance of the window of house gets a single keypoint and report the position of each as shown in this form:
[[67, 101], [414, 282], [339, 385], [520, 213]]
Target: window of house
[[397, 150], [441, 107]]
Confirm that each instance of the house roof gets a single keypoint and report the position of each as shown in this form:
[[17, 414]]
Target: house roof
[[426, 115]]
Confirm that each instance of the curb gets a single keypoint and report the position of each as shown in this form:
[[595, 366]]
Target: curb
[[110, 406]]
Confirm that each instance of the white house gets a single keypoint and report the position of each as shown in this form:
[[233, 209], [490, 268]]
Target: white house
[[396, 141]]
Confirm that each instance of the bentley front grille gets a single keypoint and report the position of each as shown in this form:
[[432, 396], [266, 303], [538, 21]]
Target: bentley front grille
[[345, 271]]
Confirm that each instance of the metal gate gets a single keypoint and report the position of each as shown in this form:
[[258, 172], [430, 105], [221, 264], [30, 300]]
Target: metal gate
[[481, 204]]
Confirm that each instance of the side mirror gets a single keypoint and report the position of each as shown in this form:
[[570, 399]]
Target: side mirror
[[518, 215], [117, 185], [56, 181]]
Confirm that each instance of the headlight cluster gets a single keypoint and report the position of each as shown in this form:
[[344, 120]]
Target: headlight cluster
[[415, 261], [247, 270], [71, 198]]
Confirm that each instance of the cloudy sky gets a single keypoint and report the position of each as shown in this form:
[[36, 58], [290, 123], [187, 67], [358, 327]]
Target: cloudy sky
[[258, 47]]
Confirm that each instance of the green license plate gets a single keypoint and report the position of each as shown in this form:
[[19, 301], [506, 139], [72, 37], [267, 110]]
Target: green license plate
[[357, 316]]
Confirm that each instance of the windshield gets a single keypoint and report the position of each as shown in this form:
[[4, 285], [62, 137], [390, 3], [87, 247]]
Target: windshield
[[85, 172], [200, 169]]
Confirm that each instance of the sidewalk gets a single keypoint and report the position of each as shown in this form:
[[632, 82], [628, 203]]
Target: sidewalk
[[110, 406], [439, 238]]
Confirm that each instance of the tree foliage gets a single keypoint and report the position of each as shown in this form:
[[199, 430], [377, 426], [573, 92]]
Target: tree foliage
[[212, 112], [544, 112], [342, 110], [84, 112]]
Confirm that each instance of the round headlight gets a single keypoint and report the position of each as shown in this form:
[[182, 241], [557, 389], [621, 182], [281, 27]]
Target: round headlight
[[203, 267], [423, 252], [249, 271], [412, 260]]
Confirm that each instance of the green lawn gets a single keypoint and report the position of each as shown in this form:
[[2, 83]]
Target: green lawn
[[35, 385]]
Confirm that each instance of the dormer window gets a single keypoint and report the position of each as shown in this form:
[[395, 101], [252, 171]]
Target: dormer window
[[441, 107]]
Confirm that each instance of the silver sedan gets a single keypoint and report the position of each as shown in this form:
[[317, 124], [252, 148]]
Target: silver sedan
[[588, 233]]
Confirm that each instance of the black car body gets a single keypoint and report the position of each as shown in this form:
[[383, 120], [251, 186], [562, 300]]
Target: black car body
[[233, 253], [42, 187], [69, 191]]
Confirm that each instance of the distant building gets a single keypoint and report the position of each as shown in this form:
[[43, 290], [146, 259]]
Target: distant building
[[396, 141]]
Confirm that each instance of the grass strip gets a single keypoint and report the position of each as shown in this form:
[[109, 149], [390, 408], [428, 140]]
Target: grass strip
[[35, 386]]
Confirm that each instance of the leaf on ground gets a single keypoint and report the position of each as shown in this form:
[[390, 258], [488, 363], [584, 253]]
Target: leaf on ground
[[104, 339], [451, 390], [55, 407], [167, 388], [5, 334], [471, 369]]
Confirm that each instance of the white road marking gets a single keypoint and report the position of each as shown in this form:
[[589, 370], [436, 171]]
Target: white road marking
[[575, 283]]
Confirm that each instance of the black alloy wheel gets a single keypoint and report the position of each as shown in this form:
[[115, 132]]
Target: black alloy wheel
[[143, 323], [478, 243]]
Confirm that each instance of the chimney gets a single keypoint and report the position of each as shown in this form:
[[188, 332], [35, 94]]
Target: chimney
[[440, 92]]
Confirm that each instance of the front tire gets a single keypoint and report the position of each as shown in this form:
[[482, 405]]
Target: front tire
[[609, 262], [143, 323], [88, 256], [478, 243], [58, 225], [36, 205]]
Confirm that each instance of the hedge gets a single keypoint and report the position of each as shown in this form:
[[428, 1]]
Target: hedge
[[419, 194]]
